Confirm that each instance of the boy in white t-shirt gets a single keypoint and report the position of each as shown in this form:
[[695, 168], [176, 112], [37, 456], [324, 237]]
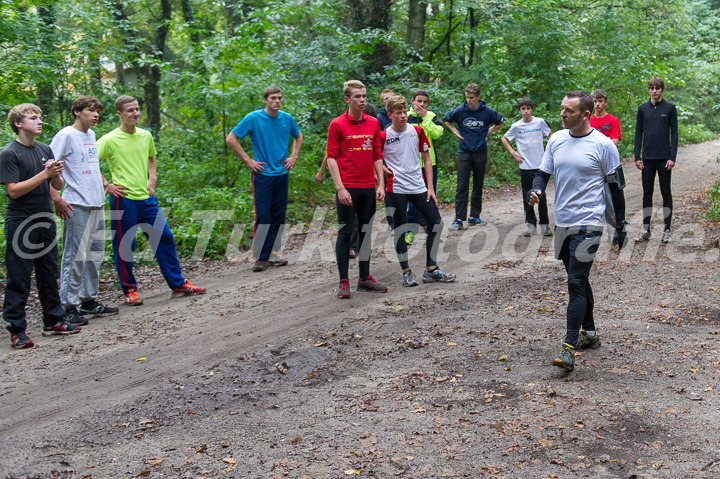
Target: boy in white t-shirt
[[528, 133], [82, 209], [400, 144]]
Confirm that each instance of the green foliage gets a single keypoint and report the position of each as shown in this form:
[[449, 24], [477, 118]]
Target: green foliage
[[215, 66], [714, 194]]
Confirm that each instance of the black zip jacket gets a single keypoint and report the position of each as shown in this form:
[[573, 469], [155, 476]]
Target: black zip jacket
[[656, 132]]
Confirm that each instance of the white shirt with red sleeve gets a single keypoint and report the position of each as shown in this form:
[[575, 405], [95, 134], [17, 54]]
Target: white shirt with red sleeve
[[400, 152], [355, 145]]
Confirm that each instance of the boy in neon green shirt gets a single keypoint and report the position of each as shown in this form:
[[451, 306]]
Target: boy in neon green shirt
[[130, 153]]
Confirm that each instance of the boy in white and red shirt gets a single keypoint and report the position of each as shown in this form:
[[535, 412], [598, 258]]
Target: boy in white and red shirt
[[354, 159], [401, 144]]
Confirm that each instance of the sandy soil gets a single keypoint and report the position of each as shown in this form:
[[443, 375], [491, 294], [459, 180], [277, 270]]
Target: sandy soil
[[270, 376]]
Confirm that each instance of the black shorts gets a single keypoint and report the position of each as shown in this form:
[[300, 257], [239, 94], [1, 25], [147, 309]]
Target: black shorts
[[581, 242]]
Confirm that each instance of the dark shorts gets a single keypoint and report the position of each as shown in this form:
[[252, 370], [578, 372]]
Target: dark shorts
[[581, 242]]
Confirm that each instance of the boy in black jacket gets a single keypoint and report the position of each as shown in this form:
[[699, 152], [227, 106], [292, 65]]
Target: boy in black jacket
[[656, 144]]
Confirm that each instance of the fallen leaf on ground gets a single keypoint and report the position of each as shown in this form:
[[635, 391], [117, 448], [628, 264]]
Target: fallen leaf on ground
[[229, 460], [140, 359]]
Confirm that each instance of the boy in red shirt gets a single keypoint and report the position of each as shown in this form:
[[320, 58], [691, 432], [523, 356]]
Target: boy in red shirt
[[603, 121], [354, 159]]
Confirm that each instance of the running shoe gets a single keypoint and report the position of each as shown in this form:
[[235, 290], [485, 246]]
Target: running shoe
[[61, 328], [371, 285], [72, 316], [438, 276], [276, 260], [96, 309], [548, 231], [565, 358], [457, 225], [644, 235], [472, 221], [589, 340], [343, 291], [353, 253], [529, 231], [188, 289], [21, 341], [409, 278], [260, 265], [132, 298], [409, 237], [667, 236]]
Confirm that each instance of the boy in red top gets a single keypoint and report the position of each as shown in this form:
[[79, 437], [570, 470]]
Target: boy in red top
[[603, 121], [354, 159], [401, 143]]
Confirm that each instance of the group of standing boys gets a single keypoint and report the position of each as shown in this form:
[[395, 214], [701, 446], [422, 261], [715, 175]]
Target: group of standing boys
[[370, 159], [33, 173], [389, 158]]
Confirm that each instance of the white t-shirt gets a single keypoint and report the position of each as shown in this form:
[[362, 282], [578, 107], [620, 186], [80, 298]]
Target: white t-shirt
[[580, 165], [400, 152], [83, 180], [529, 139]]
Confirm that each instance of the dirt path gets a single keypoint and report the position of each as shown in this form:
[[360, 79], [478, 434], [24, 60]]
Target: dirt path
[[268, 375]]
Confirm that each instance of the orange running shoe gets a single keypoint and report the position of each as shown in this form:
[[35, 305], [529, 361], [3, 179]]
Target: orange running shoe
[[132, 298], [187, 289]]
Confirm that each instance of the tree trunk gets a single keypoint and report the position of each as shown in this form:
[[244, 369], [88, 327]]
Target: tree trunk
[[379, 16], [45, 88], [189, 17], [151, 86], [450, 29], [417, 17], [472, 36], [121, 20]]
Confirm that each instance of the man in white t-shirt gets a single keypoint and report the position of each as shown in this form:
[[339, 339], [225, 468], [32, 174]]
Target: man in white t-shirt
[[400, 144], [82, 209], [528, 133], [582, 160]]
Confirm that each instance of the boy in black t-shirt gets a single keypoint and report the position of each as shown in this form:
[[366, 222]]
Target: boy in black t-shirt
[[27, 168]]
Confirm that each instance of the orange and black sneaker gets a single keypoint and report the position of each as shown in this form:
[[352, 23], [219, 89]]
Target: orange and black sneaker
[[187, 289], [132, 298]]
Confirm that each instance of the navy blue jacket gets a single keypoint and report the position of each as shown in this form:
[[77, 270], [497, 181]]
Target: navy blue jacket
[[384, 119], [473, 125]]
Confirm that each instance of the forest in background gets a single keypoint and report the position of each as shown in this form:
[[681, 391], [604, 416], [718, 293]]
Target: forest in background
[[198, 67]]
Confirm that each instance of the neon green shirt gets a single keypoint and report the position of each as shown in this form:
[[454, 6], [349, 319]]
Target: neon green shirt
[[127, 156]]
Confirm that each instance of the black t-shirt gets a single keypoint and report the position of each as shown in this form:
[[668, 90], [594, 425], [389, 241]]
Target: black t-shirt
[[19, 163]]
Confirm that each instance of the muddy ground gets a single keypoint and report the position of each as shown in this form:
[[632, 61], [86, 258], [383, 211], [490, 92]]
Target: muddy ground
[[269, 376]]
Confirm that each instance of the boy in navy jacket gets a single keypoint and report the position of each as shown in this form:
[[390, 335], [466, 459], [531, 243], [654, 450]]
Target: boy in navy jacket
[[473, 121]]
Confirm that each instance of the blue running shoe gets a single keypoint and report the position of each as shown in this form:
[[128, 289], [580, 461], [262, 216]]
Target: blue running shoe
[[457, 225], [472, 221]]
